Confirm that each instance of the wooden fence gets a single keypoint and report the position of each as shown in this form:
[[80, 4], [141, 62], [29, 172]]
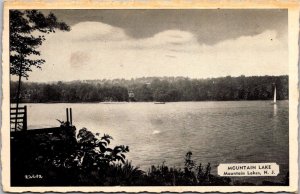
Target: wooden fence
[[18, 119]]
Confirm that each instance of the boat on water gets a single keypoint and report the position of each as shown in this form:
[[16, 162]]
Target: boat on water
[[159, 103], [113, 102]]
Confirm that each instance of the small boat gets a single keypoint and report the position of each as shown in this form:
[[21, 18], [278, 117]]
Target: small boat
[[112, 102], [159, 103]]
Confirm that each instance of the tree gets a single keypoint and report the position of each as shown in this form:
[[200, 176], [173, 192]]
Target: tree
[[24, 42]]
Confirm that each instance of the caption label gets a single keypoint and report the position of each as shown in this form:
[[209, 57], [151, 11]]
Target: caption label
[[248, 169]]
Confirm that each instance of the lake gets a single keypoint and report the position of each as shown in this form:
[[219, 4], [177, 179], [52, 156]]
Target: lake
[[215, 132]]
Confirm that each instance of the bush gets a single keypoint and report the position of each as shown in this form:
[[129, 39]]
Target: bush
[[192, 175]]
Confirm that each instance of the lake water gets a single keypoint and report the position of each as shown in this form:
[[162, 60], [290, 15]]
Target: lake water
[[215, 132]]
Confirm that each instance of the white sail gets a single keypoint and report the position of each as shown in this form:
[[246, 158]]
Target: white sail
[[274, 95]]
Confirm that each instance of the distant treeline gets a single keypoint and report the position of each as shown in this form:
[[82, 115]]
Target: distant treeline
[[156, 89]]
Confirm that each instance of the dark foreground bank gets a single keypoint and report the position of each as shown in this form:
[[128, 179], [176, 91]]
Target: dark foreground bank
[[57, 157]]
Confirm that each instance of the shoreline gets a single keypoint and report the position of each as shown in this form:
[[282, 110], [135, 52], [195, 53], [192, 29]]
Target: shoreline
[[126, 102]]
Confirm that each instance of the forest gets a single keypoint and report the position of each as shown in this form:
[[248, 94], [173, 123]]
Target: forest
[[164, 89]]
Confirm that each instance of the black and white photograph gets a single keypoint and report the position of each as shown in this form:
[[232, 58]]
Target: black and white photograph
[[149, 97]]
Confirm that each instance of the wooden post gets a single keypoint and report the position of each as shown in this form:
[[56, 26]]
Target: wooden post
[[25, 119], [67, 111], [16, 120], [71, 116]]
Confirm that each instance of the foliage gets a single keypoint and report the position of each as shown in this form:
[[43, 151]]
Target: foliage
[[124, 174], [92, 150], [190, 176], [26, 29], [168, 89], [63, 160]]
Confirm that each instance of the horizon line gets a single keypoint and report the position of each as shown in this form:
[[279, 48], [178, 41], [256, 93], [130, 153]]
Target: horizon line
[[134, 78]]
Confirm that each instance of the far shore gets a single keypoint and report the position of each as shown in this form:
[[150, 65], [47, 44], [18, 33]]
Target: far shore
[[126, 102]]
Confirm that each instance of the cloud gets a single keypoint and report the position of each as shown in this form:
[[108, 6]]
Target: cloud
[[96, 31], [94, 50], [170, 37], [263, 41]]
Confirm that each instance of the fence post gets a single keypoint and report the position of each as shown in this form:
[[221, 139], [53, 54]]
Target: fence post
[[67, 111], [25, 119], [16, 120], [71, 120]]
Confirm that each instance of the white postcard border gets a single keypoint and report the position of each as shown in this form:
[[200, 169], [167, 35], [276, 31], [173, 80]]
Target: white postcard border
[[293, 26]]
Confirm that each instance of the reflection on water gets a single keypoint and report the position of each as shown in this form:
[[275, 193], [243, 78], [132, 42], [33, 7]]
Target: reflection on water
[[216, 132], [275, 110]]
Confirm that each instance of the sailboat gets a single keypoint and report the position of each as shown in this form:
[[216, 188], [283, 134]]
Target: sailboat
[[274, 99]]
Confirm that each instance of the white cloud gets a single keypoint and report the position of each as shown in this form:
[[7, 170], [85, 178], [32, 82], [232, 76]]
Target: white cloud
[[93, 50]]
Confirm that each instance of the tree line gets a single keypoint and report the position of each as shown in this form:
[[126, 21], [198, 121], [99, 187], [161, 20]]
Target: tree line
[[166, 89]]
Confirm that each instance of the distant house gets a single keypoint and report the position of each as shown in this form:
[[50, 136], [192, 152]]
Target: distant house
[[26, 95], [131, 95]]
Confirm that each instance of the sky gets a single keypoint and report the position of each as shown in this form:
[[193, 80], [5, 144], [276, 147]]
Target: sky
[[108, 44]]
